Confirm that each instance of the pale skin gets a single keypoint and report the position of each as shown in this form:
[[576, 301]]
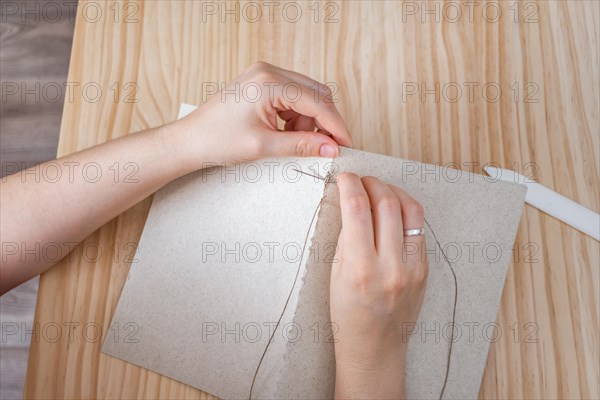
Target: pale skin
[[375, 286]]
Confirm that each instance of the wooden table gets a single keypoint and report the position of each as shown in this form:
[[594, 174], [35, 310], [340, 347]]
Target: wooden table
[[410, 84]]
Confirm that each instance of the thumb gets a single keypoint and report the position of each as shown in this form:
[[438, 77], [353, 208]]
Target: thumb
[[300, 144]]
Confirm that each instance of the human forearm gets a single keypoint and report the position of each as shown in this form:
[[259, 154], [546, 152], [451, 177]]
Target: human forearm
[[63, 201]]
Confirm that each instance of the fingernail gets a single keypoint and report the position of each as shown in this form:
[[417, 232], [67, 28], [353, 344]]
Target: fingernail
[[327, 151]]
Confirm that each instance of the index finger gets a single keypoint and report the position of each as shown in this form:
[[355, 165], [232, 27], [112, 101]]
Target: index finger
[[321, 93], [357, 220], [315, 104]]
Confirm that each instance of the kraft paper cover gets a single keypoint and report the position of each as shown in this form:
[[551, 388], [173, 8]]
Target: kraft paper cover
[[230, 288]]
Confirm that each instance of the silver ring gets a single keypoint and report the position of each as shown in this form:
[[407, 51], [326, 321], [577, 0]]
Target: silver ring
[[414, 232]]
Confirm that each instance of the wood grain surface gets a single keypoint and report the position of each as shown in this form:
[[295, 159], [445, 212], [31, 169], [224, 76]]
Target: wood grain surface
[[544, 56]]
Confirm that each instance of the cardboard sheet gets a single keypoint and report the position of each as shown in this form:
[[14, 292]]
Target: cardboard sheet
[[230, 291]]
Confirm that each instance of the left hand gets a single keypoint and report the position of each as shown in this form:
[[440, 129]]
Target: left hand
[[240, 124]]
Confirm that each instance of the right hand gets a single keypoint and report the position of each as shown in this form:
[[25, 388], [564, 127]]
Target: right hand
[[377, 287], [240, 125]]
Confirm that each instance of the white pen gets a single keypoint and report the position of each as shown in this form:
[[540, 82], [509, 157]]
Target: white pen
[[552, 203]]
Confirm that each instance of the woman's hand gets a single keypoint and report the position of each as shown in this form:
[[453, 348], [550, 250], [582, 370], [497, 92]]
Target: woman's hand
[[377, 287], [230, 128], [240, 123]]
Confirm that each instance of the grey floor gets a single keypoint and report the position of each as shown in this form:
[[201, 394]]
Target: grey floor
[[34, 57]]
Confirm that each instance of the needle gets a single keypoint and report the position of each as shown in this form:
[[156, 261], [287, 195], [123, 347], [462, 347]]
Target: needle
[[327, 180]]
